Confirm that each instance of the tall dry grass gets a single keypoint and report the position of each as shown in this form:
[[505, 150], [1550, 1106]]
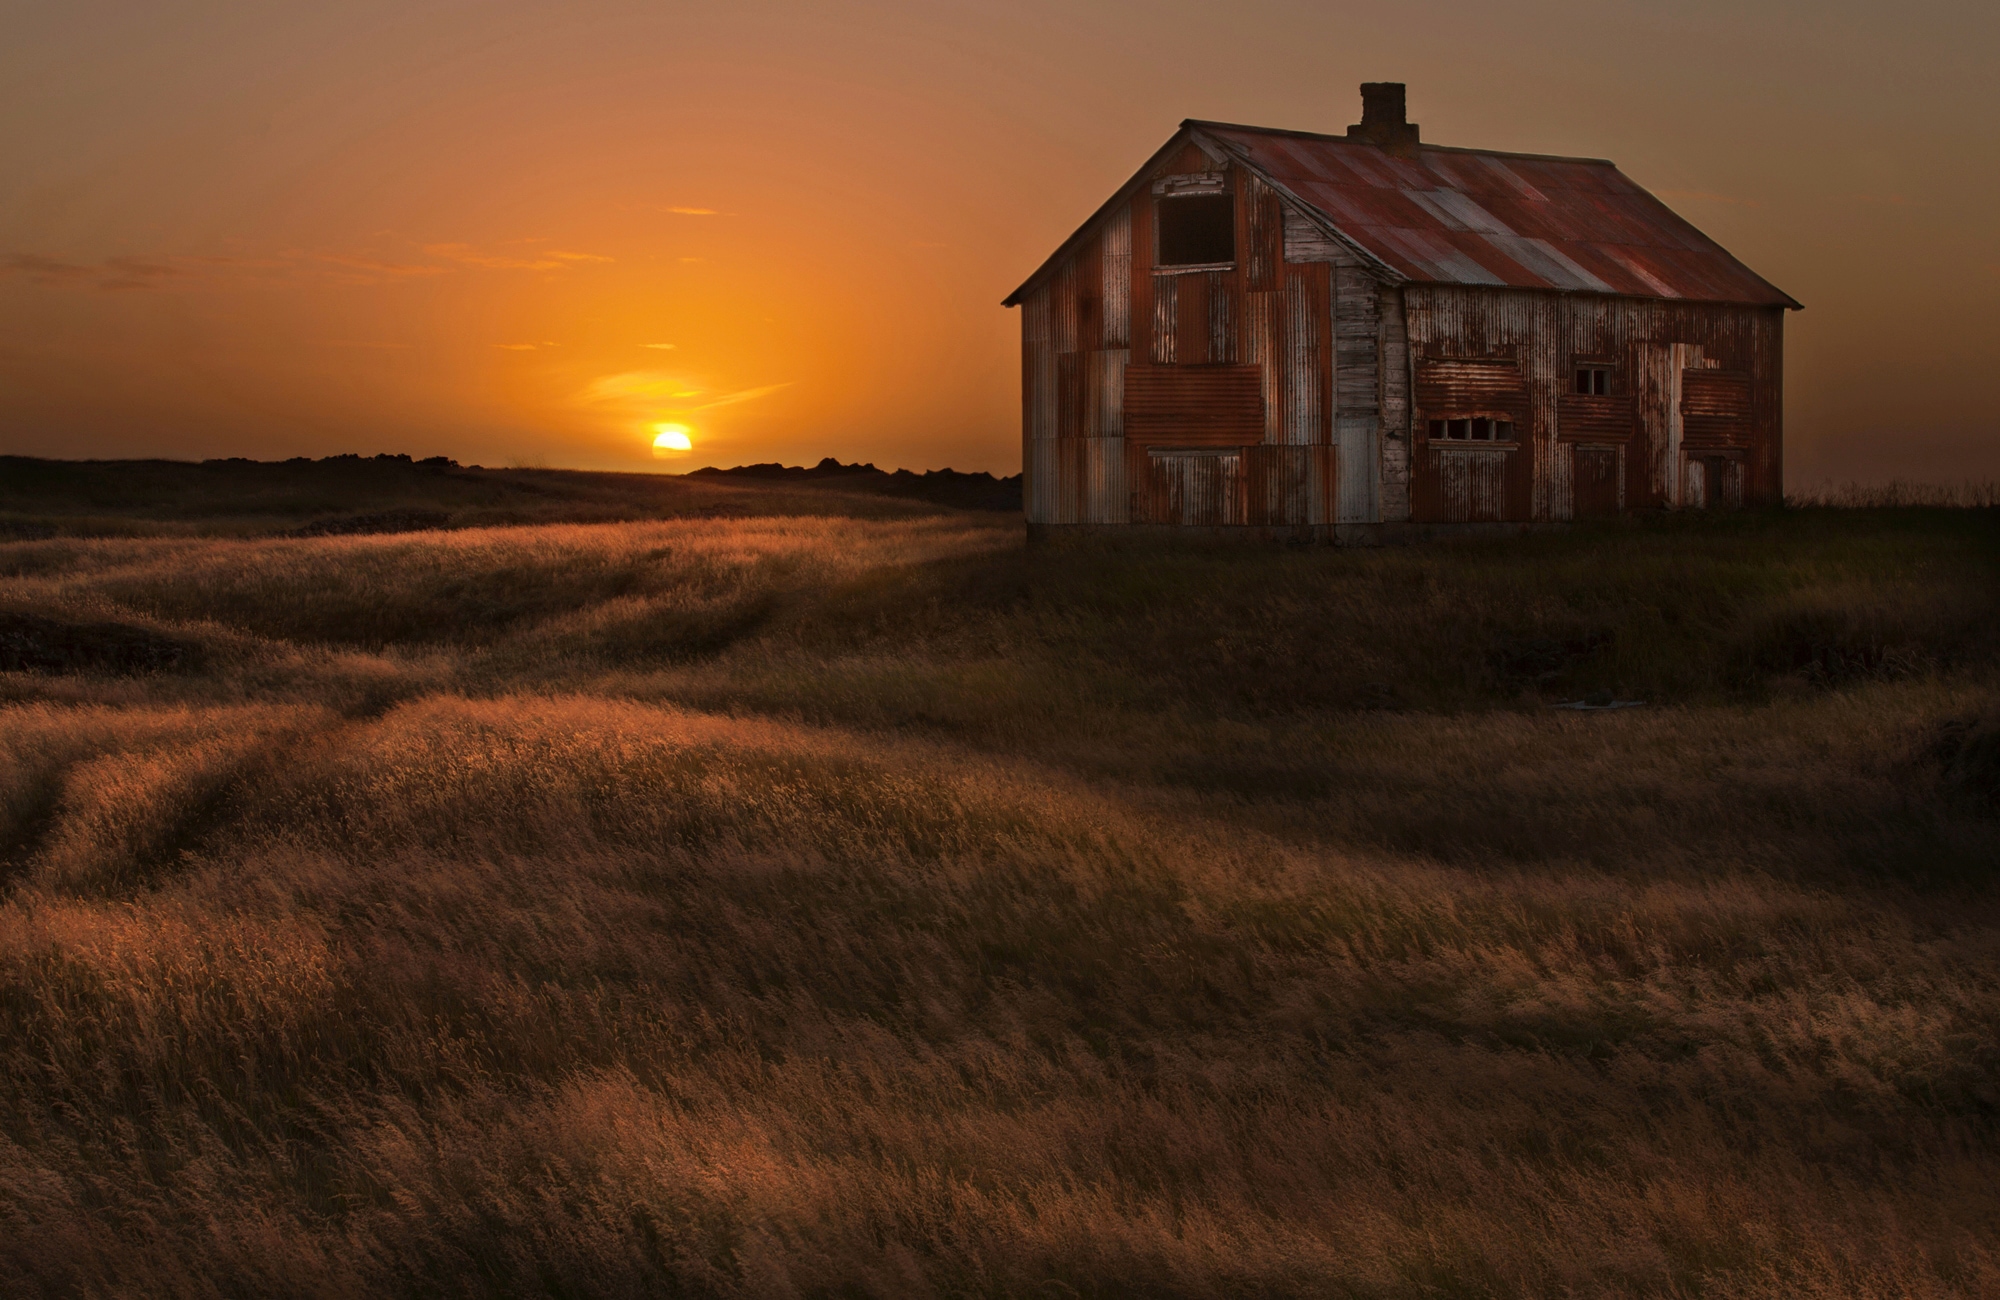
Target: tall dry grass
[[972, 922]]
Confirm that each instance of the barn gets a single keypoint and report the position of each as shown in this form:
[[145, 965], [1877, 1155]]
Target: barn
[[1349, 337]]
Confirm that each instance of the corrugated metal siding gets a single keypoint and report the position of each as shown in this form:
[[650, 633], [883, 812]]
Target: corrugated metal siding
[[1078, 481], [1596, 419], [1116, 266], [1394, 453], [1166, 331], [1473, 484], [1192, 487], [1288, 486], [1597, 476], [1716, 408], [1192, 406], [1650, 346]]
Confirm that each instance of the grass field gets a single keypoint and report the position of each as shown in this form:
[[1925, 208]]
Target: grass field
[[847, 901]]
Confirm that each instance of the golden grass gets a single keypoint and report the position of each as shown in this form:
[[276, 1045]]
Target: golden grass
[[833, 907]]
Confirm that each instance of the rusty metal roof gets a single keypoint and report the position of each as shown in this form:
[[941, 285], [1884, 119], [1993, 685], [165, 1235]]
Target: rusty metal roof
[[1475, 217]]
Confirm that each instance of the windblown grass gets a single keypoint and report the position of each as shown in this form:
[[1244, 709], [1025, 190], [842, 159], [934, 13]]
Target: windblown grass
[[835, 907]]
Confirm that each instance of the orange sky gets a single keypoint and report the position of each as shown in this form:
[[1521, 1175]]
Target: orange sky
[[522, 233]]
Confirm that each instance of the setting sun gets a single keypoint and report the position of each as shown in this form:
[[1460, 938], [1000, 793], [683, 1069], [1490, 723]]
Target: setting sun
[[672, 437]]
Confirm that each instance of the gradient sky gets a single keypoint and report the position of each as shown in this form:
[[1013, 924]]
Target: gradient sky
[[520, 233]]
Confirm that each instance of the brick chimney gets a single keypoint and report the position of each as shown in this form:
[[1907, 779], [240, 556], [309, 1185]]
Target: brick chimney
[[1383, 118]]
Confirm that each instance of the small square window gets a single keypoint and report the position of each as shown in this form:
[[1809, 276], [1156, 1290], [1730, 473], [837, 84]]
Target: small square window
[[1197, 229], [1594, 381]]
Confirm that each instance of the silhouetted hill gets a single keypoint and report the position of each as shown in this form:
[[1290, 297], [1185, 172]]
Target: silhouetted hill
[[946, 487], [335, 495]]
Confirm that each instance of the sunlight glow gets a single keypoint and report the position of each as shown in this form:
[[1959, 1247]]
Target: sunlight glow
[[672, 438]]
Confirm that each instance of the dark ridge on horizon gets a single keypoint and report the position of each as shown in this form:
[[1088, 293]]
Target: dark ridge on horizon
[[393, 493], [976, 490]]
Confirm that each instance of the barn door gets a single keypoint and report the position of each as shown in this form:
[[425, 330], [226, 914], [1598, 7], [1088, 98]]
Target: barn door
[[1597, 480]]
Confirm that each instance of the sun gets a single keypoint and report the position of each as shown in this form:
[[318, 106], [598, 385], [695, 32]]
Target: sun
[[672, 438]]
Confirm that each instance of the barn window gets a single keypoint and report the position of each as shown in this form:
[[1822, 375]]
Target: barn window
[[1197, 230], [1477, 428], [1594, 381]]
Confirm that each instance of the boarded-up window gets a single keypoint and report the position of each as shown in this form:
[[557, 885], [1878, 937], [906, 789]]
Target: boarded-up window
[[1452, 390], [1194, 406], [1715, 408], [1596, 419]]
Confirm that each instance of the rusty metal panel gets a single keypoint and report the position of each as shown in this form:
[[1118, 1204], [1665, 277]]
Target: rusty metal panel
[[1041, 485], [1201, 487], [1472, 483], [1189, 406], [1263, 253], [1116, 267], [1191, 322], [1473, 217], [1071, 395], [1078, 481], [1038, 369], [1716, 408], [1287, 486], [1580, 417], [1106, 393], [1219, 324], [1103, 496], [1166, 319], [1305, 354], [1712, 482], [1458, 387], [1597, 477], [1286, 333], [1063, 309], [1358, 329], [1388, 486]]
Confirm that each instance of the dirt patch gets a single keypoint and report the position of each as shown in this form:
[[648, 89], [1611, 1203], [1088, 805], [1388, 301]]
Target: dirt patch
[[33, 644]]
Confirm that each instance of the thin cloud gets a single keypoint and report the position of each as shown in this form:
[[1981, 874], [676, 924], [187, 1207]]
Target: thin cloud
[[694, 212], [467, 255], [659, 347], [648, 391], [113, 274], [746, 395], [374, 267], [515, 347]]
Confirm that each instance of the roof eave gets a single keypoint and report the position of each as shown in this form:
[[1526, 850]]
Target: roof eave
[[1327, 225]]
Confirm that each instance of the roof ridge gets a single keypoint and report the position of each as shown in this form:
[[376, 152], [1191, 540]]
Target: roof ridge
[[1433, 148]]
